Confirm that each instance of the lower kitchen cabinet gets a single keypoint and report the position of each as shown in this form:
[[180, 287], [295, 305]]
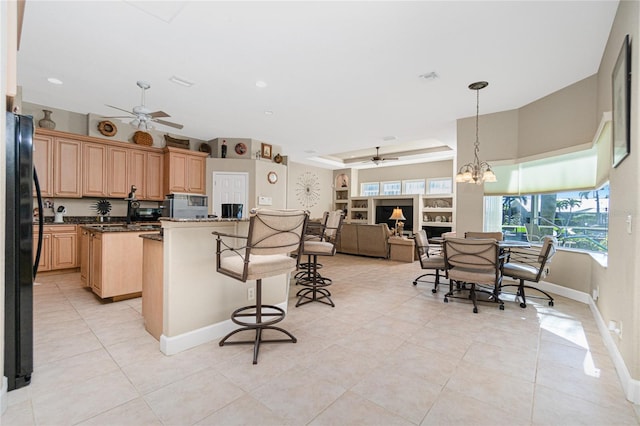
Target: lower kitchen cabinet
[[113, 264], [59, 247]]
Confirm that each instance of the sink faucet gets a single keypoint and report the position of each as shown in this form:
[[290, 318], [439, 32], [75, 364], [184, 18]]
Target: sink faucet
[[132, 203]]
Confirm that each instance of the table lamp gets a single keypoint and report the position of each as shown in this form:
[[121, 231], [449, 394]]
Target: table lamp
[[397, 215]]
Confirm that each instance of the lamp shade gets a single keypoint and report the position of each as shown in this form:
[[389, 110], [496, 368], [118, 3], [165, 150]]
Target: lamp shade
[[397, 214]]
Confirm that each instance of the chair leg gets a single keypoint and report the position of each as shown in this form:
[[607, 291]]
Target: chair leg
[[315, 287], [520, 293], [435, 283], [259, 324]]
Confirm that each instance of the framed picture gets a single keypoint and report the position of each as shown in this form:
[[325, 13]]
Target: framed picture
[[266, 151], [621, 81]]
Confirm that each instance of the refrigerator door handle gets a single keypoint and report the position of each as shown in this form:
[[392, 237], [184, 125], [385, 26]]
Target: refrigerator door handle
[[40, 223]]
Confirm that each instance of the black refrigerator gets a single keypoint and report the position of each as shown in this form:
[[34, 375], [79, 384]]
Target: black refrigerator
[[20, 268]]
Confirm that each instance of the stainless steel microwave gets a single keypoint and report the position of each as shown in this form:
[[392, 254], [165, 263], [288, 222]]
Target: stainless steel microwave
[[186, 206]]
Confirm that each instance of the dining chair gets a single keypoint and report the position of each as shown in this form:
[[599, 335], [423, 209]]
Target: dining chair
[[273, 236], [429, 259], [530, 265], [474, 264], [315, 285]]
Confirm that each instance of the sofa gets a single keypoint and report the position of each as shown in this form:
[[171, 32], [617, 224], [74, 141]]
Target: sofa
[[364, 240]]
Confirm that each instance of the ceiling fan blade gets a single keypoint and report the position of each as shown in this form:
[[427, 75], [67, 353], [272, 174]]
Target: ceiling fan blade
[[159, 114], [390, 158], [168, 123], [120, 109]]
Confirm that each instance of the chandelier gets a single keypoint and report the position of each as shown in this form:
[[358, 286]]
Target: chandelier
[[478, 171]]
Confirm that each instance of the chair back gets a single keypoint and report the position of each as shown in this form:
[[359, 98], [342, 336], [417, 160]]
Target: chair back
[[494, 235], [275, 231], [472, 260], [549, 248], [333, 224]]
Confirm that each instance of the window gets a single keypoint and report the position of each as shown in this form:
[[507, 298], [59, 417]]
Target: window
[[369, 189], [440, 186], [579, 219], [414, 186], [391, 188]]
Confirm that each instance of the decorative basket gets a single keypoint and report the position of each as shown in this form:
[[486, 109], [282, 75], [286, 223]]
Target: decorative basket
[[177, 143], [143, 138]]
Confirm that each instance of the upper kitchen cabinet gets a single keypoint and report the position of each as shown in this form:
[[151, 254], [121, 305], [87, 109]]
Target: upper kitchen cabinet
[[58, 162], [43, 163], [154, 176], [184, 171], [94, 170]]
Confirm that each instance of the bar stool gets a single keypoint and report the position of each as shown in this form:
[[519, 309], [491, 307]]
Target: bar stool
[[273, 235], [314, 284]]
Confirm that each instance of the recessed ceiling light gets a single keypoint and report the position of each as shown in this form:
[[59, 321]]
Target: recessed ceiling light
[[54, 80], [310, 151], [261, 84], [430, 76], [181, 81], [268, 112], [389, 138]]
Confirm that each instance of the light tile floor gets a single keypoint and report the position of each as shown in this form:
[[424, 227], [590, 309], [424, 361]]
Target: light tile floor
[[389, 353]]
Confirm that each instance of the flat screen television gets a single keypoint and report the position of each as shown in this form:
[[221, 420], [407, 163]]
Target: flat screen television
[[383, 213]]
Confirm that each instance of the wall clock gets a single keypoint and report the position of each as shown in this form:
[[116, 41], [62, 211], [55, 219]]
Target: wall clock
[[240, 148], [272, 177], [308, 189]]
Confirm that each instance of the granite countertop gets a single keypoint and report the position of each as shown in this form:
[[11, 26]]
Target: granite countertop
[[154, 237], [205, 219], [112, 227], [82, 220]]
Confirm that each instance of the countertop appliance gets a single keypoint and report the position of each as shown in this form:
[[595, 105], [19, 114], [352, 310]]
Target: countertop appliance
[[185, 206], [20, 269], [147, 214]]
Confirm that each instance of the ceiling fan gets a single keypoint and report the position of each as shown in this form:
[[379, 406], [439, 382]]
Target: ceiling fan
[[377, 159], [142, 116]]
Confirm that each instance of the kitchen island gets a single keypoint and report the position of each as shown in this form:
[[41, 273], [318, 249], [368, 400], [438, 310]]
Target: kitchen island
[[189, 303]]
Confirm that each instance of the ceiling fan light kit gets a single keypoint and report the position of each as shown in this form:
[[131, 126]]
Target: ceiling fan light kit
[[478, 171], [143, 118]]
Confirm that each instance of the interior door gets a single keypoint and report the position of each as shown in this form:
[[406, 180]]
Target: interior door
[[230, 188]]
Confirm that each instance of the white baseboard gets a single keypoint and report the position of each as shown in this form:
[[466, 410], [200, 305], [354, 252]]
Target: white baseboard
[[630, 386], [175, 344], [3, 395]]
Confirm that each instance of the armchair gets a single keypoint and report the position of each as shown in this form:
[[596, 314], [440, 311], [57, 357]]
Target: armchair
[[428, 260], [530, 265], [475, 262]]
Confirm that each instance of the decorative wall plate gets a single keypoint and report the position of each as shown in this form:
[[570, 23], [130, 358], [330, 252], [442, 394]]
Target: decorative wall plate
[[107, 128], [240, 148], [308, 189], [272, 177]]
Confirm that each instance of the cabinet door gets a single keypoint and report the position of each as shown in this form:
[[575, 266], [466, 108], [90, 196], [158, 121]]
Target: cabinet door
[[177, 170], [43, 163], [136, 173], [66, 168], [83, 251], [196, 174], [117, 172], [64, 250], [153, 178], [94, 171], [95, 263], [45, 254]]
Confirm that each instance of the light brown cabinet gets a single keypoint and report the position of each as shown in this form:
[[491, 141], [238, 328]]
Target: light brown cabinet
[[43, 163], [184, 171], [113, 263], [118, 161], [153, 176], [59, 247], [58, 161], [94, 170]]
